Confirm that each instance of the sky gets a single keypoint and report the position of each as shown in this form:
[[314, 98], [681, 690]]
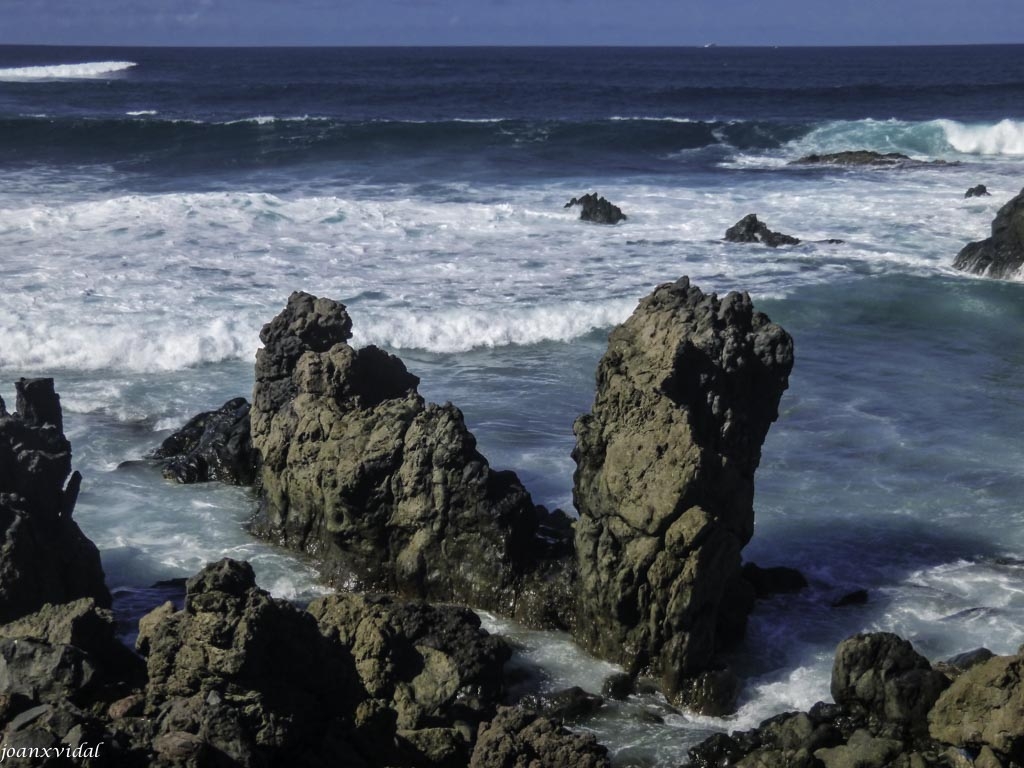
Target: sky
[[504, 22]]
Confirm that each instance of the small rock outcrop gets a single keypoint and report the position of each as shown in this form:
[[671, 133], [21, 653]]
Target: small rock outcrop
[[892, 710], [517, 738], [664, 482], [750, 230], [984, 707], [388, 491], [1002, 254], [597, 210], [215, 445], [977, 191], [855, 157], [44, 556]]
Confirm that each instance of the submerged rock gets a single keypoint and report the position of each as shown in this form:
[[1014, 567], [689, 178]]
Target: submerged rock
[[665, 477], [1002, 254], [978, 191], [388, 491], [750, 230], [597, 210], [44, 556], [215, 445], [854, 157]]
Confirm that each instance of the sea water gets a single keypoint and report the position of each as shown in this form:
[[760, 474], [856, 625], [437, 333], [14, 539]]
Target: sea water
[[159, 205]]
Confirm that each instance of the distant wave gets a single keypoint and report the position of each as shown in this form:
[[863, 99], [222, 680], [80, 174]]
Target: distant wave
[[65, 71], [923, 139]]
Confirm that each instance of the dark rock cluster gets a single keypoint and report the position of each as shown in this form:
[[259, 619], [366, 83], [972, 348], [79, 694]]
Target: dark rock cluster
[[44, 556], [1002, 254], [892, 710], [977, 191], [597, 210]]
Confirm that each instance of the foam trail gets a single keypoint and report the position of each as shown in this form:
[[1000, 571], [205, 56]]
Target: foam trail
[[465, 329], [1004, 138], [65, 71]]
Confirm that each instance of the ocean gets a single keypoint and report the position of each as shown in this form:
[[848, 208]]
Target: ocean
[[159, 205]]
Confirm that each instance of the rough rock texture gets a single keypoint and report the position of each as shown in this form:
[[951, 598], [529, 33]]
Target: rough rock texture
[[978, 191], [750, 230], [246, 678], [597, 210], [215, 445], [984, 707], [44, 557], [517, 738], [883, 673], [389, 492], [432, 666], [665, 477], [1002, 254]]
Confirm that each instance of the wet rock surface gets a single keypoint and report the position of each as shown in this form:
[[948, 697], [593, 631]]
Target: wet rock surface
[[1002, 254], [750, 229], [388, 491], [665, 477], [44, 556], [215, 445], [517, 738], [977, 191], [597, 210]]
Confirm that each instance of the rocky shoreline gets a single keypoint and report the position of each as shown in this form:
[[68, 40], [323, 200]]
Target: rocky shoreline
[[390, 495]]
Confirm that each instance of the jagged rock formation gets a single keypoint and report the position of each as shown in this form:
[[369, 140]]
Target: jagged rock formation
[[389, 492], [977, 191], [597, 210], [1002, 254], [44, 556], [519, 739], [892, 710], [984, 708], [750, 230], [665, 478], [214, 445], [866, 157]]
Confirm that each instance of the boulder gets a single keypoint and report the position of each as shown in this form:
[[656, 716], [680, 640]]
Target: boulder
[[664, 482], [517, 738], [386, 490], [884, 674], [44, 556], [984, 707], [1002, 254], [773, 581], [979, 191], [597, 210], [750, 230], [214, 445]]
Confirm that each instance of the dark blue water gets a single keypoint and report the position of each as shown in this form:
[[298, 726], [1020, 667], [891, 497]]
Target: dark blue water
[[378, 112]]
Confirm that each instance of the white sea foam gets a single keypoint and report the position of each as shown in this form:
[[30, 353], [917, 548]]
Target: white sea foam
[[141, 112], [1003, 138], [65, 71]]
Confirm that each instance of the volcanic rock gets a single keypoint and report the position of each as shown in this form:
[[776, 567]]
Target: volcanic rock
[[597, 210], [750, 230], [665, 477], [984, 707], [387, 491], [44, 556], [1002, 254], [517, 738], [215, 445]]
